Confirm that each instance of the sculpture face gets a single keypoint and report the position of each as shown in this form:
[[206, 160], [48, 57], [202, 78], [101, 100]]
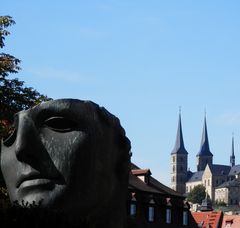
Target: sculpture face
[[61, 152]]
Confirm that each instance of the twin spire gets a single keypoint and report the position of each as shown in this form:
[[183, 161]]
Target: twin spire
[[179, 144], [179, 147], [204, 147]]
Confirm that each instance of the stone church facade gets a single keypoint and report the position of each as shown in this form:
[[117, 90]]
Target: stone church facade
[[212, 176]]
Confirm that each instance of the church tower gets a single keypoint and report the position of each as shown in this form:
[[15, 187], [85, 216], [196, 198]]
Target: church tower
[[179, 162], [204, 156], [232, 157]]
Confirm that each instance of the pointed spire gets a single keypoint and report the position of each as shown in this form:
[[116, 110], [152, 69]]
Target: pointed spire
[[204, 147], [232, 157], [179, 144]]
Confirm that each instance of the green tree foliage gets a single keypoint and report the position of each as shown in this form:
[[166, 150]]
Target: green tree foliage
[[14, 96], [197, 194]]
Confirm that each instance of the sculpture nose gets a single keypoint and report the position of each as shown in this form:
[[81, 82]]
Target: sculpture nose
[[27, 138]]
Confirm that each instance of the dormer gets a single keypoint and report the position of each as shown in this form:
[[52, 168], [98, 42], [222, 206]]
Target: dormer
[[142, 174]]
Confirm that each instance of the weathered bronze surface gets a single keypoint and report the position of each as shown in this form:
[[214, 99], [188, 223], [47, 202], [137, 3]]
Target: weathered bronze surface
[[71, 155]]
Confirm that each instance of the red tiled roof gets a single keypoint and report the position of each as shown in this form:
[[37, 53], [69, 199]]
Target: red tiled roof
[[232, 221], [210, 219]]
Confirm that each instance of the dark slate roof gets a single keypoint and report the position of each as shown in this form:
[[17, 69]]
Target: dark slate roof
[[197, 176], [179, 144], [137, 184], [228, 184], [204, 147], [155, 184], [159, 186], [134, 166], [234, 170], [220, 169], [189, 174]]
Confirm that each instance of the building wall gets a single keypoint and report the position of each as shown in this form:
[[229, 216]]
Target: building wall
[[160, 204], [221, 195], [191, 185], [207, 182], [229, 195]]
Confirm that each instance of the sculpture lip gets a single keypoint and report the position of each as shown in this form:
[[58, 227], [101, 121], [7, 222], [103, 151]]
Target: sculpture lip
[[32, 176]]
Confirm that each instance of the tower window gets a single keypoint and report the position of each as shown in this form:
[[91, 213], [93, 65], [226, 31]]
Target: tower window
[[173, 158], [173, 168]]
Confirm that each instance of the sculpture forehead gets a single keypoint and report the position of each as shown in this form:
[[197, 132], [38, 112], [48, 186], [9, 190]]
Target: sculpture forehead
[[71, 107]]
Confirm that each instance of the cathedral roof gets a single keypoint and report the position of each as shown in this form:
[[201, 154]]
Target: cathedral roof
[[220, 169], [234, 170], [197, 176], [179, 144], [204, 147], [228, 184]]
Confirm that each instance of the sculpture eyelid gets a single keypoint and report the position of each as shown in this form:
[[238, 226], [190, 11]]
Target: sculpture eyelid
[[60, 124]]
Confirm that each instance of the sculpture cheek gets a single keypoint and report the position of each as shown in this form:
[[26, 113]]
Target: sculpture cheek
[[63, 147]]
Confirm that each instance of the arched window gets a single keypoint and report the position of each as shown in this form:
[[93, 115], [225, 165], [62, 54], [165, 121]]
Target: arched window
[[173, 168]]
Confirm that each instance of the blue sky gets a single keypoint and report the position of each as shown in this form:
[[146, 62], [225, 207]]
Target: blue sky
[[141, 60]]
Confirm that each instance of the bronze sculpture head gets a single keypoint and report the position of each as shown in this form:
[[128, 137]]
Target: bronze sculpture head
[[71, 154]]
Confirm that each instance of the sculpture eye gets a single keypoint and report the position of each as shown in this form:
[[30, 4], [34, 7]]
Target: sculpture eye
[[9, 139], [60, 124]]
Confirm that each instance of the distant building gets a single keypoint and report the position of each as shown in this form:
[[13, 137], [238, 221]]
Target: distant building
[[208, 174], [228, 192]]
